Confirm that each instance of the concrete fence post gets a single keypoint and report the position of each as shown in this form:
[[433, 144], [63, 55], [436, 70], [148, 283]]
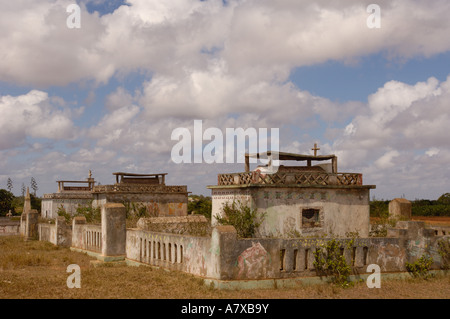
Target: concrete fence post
[[31, 225], [77, 232], [63, 233], [113, 232], [223, 245]]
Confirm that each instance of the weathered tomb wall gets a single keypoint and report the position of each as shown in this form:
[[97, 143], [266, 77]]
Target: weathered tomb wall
[[69, 201], [59, 234], [9, 227], [340, 210], [191, 254], [189, 225], [157, 204]]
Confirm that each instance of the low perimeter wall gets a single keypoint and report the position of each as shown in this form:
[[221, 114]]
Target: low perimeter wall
[[59, 233], [224, 256], [9, 227], [86, 236]]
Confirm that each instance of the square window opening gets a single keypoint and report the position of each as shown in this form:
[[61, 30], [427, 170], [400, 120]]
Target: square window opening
[[310, 218]]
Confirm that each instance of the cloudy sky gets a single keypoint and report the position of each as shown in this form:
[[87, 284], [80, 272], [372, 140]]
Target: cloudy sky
[[107, 96]]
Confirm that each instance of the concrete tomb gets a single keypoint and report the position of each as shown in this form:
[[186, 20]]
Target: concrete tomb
[[308, 200], [147, 191], [70, 195]]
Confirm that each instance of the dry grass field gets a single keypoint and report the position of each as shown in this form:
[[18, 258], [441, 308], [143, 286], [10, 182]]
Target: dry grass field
[[429, 220], [433, 220], [37, 270]]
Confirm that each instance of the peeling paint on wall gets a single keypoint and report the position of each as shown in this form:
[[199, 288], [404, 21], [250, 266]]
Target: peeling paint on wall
[[252, 262]]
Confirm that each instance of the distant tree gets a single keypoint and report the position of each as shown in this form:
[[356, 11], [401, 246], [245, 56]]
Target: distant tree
[[200, 205], [23, 190], [6, 199], [34, 186], [444, 199], [35, 202], [9, 184], [379, 208]]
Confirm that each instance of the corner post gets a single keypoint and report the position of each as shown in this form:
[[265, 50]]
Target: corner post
[[113, 232]]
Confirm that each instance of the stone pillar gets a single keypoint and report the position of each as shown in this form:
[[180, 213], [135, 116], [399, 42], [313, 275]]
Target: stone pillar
[[77, 232], [400, 208], [223, 258], [27, 203], [31, 225], [113, 232], [63, 233], [23, 223]]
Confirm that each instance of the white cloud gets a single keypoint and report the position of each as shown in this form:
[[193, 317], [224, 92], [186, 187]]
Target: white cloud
[[259, 39], [385, 161], [403, 120], [229, 65], [432, 151], [32, 115]]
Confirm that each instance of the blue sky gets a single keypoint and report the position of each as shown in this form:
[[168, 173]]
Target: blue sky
[[336, 80], [106, 97]]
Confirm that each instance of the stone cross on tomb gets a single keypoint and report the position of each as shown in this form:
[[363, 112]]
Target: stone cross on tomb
[[315, 149]]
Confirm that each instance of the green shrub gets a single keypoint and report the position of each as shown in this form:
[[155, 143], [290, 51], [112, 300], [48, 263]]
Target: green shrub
[[329, 261], [62, 212], [380, 227], [421, 267], [444, 252], [243, 218], [92, 215]]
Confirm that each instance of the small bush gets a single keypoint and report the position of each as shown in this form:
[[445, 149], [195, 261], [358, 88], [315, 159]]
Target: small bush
[[62, 212], [329, 261], [380, 227], [92, 215], [421, 267], [444, 252], [243, 218]]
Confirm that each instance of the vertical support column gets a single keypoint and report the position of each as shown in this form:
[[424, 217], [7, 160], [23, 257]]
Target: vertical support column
[[359, 257], [223, 245], [62, 238], [334, 165], [301, 257], [310, 258], [113, 232], [31, 225], [179, 253], [78, 237]]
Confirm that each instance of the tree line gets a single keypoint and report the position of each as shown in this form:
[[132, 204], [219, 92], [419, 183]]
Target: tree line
[[10, 202], [420, 207], [33, 186]]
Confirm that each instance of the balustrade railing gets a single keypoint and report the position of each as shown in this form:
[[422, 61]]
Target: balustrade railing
[[290, 178]]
